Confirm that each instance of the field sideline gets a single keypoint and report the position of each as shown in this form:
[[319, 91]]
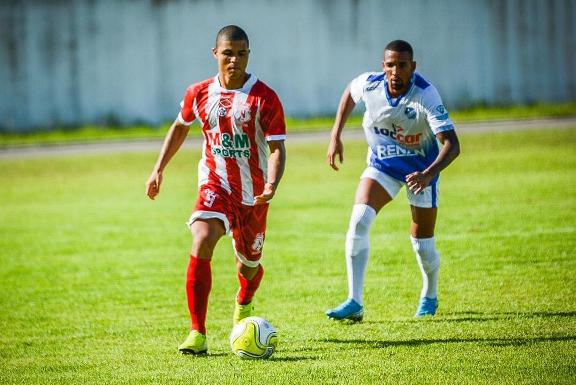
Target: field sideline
[[92, 273]]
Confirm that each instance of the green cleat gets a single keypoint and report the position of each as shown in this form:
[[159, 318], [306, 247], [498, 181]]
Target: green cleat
[[195, 343], [241, 312]]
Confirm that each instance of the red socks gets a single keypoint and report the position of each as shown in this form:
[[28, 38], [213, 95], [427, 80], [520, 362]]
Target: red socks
[[198, 285], [248, 288]]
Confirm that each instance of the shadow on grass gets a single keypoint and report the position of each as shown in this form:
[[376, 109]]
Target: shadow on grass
[[512, 341], [291, 359], [231, 355], [202, 356], [475, 316]]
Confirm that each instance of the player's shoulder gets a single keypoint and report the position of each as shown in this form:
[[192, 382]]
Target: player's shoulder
[[424, 86], [421, 83], [263, 90], [261, 86], [194, 88], [370, 78]]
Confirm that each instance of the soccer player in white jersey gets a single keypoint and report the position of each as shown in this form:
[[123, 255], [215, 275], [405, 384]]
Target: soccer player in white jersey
[[242, 120], [403, 122]]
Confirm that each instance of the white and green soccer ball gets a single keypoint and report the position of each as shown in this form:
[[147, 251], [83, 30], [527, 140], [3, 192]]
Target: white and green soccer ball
[[253, 338]]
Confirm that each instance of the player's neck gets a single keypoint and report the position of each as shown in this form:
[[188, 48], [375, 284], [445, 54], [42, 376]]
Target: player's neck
[[397, 93], [230, 83]]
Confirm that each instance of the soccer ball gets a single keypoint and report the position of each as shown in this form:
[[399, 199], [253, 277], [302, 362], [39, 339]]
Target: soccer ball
[[253, 338]]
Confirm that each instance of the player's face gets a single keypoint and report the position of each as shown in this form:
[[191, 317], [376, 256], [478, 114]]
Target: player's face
[[232, 57], [399, 68]]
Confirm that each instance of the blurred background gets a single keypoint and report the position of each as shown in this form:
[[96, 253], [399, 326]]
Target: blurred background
[[122, 62]]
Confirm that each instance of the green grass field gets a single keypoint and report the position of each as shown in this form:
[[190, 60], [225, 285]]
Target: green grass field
[[92, 273]]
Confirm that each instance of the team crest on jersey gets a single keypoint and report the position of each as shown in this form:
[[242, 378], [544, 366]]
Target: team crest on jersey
[[443, 113], [224, 105], [242, 113], [410, 113], [221, 112], [258, 243], [209, 197]]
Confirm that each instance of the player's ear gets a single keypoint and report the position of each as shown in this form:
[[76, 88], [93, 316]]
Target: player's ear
[[215, 51], [413, 66]]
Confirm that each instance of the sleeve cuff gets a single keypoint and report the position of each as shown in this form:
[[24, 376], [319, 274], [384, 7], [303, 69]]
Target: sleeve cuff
[[447, 127], [270, 138], [182, 121]]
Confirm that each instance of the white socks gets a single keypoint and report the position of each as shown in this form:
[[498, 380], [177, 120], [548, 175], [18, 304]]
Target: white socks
[[357, 247], [429, 262]]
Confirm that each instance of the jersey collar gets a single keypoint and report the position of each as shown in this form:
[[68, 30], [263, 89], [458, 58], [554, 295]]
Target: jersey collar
[[395, 102], [245, 88]]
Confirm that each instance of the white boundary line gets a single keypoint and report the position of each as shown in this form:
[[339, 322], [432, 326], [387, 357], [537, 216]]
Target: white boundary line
[[143, 145]]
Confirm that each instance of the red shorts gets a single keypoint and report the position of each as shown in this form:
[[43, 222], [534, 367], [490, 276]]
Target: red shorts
[[246, 224]]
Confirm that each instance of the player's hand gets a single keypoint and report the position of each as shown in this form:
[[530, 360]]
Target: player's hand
[[335, 148], [267, 194], [417, 181], [153, 184]]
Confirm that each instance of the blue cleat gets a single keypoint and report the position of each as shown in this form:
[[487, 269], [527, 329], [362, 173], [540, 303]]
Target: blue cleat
[[427, 306], [349, 310]]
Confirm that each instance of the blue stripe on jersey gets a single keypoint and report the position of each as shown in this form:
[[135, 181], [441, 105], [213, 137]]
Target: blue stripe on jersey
[[420, 82], [375, 78], [394, 102]]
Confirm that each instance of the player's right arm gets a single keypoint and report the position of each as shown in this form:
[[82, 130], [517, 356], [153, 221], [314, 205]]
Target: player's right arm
[[336, 148], [174, 139]]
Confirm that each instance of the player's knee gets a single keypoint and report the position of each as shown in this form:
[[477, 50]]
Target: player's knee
[[426, 253], [203, 242], [361, 220]]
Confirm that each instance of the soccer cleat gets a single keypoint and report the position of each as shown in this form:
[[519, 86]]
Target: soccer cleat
[[349, 310], [427, 306], [241, 312], [195, 343]]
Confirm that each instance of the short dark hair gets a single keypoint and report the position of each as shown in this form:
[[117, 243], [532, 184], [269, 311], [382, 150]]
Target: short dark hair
[[232, 33], [400, 46]]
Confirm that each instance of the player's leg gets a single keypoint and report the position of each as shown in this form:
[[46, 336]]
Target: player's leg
[[205, 233], [428, 258], [248, 244], [207, 224], [374, 191], [249, 279]]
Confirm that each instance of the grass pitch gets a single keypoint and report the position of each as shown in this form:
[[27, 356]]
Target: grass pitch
[[92, 273]]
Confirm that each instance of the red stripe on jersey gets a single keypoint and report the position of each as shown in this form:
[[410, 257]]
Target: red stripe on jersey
[[258, 177], [271, 111], [225, 122], [201, 103]]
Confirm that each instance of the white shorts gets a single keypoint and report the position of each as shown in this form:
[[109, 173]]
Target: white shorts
[[427, 198]]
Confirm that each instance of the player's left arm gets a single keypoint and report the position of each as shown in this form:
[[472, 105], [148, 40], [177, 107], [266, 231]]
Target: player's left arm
[[418, 181], [276, 165]]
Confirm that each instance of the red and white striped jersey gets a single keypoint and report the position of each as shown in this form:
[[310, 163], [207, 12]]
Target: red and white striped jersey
[[237, 125]]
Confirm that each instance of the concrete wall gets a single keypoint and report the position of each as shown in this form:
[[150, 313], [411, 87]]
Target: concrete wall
[[65, 62]]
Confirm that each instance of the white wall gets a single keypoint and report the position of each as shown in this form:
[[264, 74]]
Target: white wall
[[66, 62]]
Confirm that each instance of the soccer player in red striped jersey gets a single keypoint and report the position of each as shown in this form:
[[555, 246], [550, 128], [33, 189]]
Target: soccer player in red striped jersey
[[243, 158]]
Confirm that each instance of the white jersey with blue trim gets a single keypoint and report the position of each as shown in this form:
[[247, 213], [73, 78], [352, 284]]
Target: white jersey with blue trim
[[401, 132]]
